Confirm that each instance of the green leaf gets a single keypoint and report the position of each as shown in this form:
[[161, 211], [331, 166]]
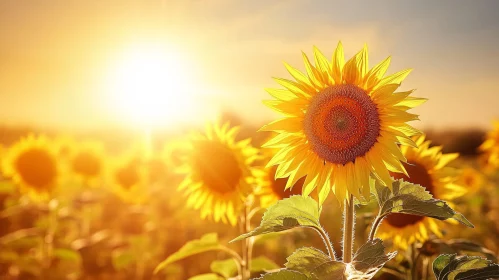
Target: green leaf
[[296, 211], [262, 263], [371, 257], [451, 267], [314, 263], [66, 254], [227, 268], [123, 259], [413, 199], [468, 246], [207, 276], [285, 274], [208, 242]]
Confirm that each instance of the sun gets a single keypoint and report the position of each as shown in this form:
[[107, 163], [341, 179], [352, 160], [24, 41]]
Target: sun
[[152, 86]]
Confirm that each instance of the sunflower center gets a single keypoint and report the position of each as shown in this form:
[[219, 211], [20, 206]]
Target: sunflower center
[[217, 166], [418, 174], [342, 123], [127, 176], [37, 168], [279, 184], [86, 164]]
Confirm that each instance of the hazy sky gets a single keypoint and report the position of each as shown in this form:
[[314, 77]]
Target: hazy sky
[[55, 55]]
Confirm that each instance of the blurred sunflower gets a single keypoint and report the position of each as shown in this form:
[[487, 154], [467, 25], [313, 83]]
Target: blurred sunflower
[[128, 179], [217, 172], [490, 147], [87, 161], [32, 164], [471, 179], [427, 167], [271, 189], [343, 122]]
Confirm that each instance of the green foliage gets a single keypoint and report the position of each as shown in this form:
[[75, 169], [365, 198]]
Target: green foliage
[[310, 261], [296, 211], [208, 242], [262, 263], [66, 254], [207, 276], [227, 268], [369, 259], [285, 275], [451, 267], [409, 198], [434, 247]]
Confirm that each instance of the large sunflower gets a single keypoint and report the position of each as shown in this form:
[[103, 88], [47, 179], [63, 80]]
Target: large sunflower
[[32, 164], [427, 167], [342, 122], [218, 173], [490, 147], [87, 161]]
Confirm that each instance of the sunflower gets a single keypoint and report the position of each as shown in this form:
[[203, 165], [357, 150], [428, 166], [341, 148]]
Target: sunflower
[[87, 161], [426, 166], [490, 147], [342, 122], [471, 179], [271, 189], [32, 164], [217, 172], [128, 178]]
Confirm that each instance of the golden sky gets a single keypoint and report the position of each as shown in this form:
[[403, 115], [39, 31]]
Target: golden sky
[[56, 55]]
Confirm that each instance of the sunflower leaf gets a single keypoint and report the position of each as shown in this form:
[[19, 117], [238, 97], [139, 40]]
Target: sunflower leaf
[[314, 263], [413, 199], [207, 276], [262, 263], [227, 268], [371, 257], [285, 274], [207, 242], [452, 267], [296, 211]]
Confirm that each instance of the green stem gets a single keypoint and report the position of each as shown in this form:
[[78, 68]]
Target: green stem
[[245, 227], [375, 226], [348, 230], [327, 242]]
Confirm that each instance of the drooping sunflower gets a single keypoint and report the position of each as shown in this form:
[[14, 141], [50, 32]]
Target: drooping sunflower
[[428, 167], [86, 161], [218, 172], [343, 121], [32, 164], [490, 147], [128, 178]]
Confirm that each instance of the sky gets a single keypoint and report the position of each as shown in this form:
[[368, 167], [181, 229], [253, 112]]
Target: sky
[[56, 56]]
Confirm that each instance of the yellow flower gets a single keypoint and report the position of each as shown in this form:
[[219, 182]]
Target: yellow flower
[[471, 179], [271, 189], [87, 161], [427, 167], [490, 147], [217, 172], [32, 164], [128, 178], [342, 122]]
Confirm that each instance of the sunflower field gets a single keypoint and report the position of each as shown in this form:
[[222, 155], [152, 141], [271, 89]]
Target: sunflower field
[[348, 180], [341, 187]]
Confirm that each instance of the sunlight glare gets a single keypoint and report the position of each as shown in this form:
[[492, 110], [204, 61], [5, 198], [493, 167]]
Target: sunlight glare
[[152, 86]]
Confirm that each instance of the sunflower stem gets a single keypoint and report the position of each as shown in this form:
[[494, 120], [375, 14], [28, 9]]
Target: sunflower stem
[[247, 244], [348, 229], [375, 226]]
